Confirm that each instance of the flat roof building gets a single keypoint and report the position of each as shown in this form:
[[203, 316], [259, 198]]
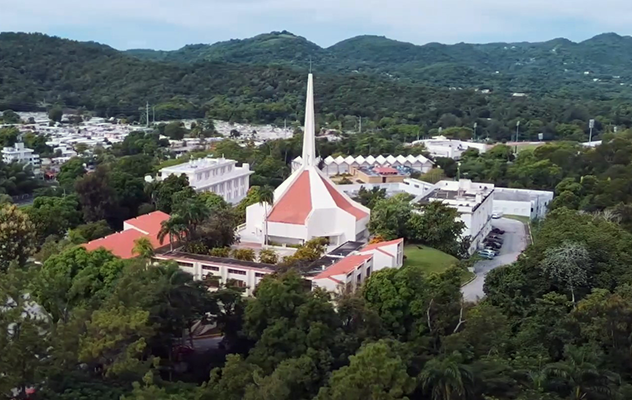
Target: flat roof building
[[218, 175]]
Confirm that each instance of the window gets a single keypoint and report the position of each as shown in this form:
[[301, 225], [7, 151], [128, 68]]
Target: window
[[359, 278], [368, 272], [198, 176], [230, 169], [208, 174], [210, 268], [259, 275], [236, 272], [185, 264]]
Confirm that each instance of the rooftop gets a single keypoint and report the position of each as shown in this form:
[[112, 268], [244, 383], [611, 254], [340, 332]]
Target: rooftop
[[344, 266], [198, 164], [218, 260], [375, 246], [345, 249]]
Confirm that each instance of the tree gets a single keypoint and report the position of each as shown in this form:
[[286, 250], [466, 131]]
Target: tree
[[446, 378], [244, 254], [268, 256], [9, 136], [55, 114], [389, 217], [70, 171], [376, 372], [567, 264], [98, 198], [25, 336], [143, 248], [17, 235], [266, 198], [10, 117], [369, 198], [163, 195], [88, 232], [174, 228], [193, 211], [54, 215], [175, 130], [433, 176], [437, 226], [579, 373]]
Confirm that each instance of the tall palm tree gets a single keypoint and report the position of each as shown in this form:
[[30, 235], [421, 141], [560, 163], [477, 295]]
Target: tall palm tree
[[143, 248], [173, 227], [581, 374], [266, 198], [447, 379], [193, 212]]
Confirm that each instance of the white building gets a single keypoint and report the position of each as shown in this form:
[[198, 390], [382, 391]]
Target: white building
[[344, 165], [440, 146], [217, 175], [474, 202], [524, 202], [348, 271], [20, 154], [308, 204]]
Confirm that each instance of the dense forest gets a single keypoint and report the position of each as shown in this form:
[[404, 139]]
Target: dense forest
[[38, 72]]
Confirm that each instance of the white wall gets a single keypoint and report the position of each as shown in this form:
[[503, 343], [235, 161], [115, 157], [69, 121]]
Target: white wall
[[522, 208]]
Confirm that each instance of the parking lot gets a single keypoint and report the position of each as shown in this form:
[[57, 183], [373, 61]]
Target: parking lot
[[515, 241]]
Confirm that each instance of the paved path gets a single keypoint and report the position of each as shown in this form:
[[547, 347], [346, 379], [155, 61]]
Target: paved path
[[515, 241]]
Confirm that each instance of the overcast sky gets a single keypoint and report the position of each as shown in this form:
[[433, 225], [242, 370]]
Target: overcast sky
[[170, 24]]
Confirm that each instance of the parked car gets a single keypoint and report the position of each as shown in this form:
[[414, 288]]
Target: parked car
[[498, 231], [495, 238], [488, 254], [497, 215], [495, 246]]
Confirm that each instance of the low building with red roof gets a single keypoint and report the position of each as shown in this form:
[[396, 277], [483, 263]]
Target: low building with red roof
[[121, 243], [347, 274], [388, 254]]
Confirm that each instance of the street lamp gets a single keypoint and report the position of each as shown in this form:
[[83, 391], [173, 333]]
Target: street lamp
[[591, 125]]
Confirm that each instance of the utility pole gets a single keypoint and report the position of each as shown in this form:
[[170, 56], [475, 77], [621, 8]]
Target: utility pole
[[147, 113], [591, 125], [475, 126], [517, 134], [360, 124]]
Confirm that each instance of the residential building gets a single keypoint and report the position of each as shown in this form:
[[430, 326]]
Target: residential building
[[523, 202], [308, 204], [20, 154], [344, 165], [440, 146], [217, 175], [474, 202]]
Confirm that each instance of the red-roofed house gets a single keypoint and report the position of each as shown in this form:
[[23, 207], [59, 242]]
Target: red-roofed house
[[122, 243], [386, 254], [347, 274]]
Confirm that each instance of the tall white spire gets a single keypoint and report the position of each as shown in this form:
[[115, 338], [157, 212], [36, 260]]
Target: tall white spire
[[309, 131]]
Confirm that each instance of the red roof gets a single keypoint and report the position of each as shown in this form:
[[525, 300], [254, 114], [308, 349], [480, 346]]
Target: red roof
[[120, 244], [376, 246], [296, 204], [149, 224], [343, 203], [385, 171], [344, 266]]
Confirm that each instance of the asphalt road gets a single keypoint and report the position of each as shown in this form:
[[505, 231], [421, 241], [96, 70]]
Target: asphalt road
[[515, 241]]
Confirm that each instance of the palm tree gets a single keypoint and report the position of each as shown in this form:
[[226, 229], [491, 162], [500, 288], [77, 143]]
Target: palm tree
[[447, 379], [193, 212], [266, 197], [143, 248], [173, 227], [581, 374]]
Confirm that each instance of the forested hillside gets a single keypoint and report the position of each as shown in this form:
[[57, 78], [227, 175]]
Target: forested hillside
[[557, 66], [38, 72]]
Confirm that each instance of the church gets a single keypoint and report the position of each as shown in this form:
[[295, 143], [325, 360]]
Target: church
[[308, 204]]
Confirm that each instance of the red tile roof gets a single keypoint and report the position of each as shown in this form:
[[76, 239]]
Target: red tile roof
[[344, 266], [375, 246], [385, 171], [120, 244], [296, 204], [149, 223], [343, 203]]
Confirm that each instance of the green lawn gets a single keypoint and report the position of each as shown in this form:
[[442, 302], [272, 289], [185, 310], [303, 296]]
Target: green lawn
[[524, 220], [431, 260]]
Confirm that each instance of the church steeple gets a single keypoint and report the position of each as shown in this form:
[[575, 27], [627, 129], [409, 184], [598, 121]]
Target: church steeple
[[309, 133]]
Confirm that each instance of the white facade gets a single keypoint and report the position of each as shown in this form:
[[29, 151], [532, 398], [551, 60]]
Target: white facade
[[343, 165], [523, 202], [474, 202], [220, 176], [20, 154], [307, 204], [244, 276], [440, 146]]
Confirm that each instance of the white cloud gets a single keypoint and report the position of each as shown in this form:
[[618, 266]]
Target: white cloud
[[412, 20]]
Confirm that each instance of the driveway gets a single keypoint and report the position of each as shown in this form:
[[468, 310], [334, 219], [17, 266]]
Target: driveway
[[515, 241]]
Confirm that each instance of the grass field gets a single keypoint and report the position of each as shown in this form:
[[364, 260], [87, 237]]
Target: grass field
[[431, 260], [524, 220]]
